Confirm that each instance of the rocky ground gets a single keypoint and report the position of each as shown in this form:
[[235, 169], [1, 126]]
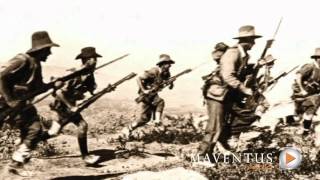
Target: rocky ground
[[157, 152]]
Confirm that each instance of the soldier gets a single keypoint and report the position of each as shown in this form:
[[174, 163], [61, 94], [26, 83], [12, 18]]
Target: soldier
[[227, 87], [263, 80], [217, 53], [264, 77], [22, 76], [306, 91], [153, 108], [209, 93], [65, 104]]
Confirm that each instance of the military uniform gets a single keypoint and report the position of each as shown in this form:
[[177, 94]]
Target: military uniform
[[310, 103], [265, 75], [310, 74], [20, 77], [151, 78], [25, 72], [222, 93], [152, 107], [74, 91], [225, 89]]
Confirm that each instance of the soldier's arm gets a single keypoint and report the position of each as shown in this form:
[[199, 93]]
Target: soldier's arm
[[60, 95], [305, 71], [299, 78], [91, 83], [228, 71], [140, 79], [171, 85], [5, 77], [146, 75]]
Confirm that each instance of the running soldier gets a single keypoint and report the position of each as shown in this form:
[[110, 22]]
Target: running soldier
[[65, 104], [229, 87], [210, 92], [23, 76], [151, 109], [306, 92]]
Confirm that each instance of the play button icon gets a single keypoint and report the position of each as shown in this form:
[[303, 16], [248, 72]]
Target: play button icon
[[290, 158]]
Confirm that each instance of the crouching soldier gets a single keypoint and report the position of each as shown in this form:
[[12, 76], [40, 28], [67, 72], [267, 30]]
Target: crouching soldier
[[306, 91], [152, 107], [65, 104], [20, 77]]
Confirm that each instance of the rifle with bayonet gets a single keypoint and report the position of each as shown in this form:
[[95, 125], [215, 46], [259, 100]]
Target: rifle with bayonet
[[12, 112], [157, 88], [79, 86], [271, 82], [105, 64], [9, 113], [245, 112], [251, 80], [112, 61], [98, 95]]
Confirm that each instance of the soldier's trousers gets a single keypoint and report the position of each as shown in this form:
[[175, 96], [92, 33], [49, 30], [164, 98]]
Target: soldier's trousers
[[311, 105], [66, 118], [147, 110], [214, 127], [28, 122]]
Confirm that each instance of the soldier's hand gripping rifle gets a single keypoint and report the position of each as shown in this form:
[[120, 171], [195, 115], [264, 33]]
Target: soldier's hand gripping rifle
[[109, 88], [157, 88], [9, 113]]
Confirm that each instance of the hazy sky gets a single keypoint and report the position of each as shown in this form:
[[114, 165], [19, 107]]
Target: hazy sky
[[187, 30]]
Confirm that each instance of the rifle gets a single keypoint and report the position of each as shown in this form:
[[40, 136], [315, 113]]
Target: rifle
[[157, 88], [112, 61], [250, 81], [99, 67], [108, 89], [103, 65], [51, 85], [11, 112], [253, 101], [248, 108], [75, 73], [281, 75]]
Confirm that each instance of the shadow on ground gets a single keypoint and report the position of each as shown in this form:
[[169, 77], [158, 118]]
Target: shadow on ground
[[91, 177], [105, 155]]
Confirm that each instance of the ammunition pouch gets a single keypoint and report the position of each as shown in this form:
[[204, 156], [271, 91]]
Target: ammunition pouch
[[214, 88]]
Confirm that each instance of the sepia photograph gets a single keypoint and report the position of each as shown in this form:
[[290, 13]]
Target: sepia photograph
[[159, 90]]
